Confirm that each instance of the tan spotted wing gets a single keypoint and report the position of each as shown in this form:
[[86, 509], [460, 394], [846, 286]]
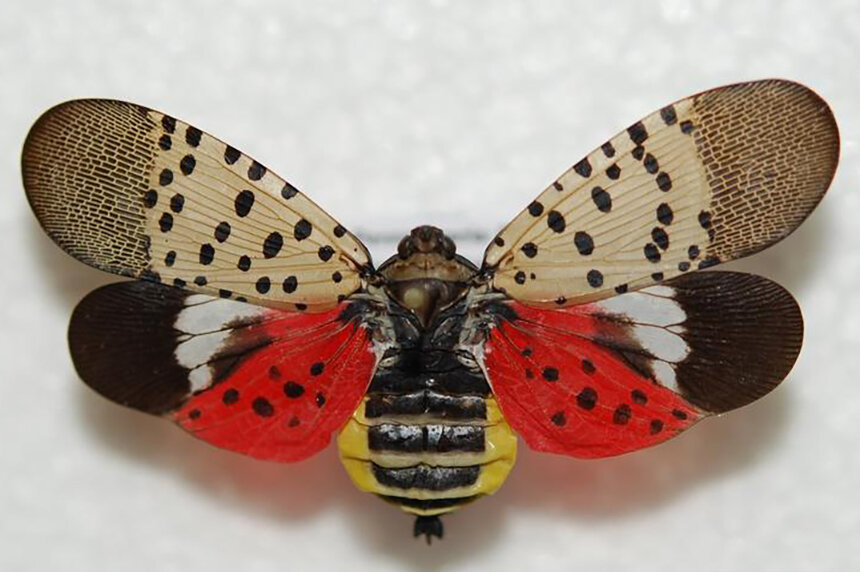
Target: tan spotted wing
[[135, 192], [708, 179]]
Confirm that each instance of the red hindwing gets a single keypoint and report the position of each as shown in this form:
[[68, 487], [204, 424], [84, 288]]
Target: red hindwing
[[628, 372], [566, 394], [283, 401]]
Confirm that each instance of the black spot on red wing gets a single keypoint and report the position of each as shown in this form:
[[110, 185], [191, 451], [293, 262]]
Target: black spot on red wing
[[230, 396], [550, 373], [583, 168], [231, 155], [558, 186], [555, 221], [177, 203], [222, 231], [651, 252], [244, 263], [165, 142], [165, 178], [520, 277], [587, 398], [622, 414], [529, 249], [207, 254], [608, 149], [583, 242], [665, 216], [529, 374], [194, 414], [656, 426], [187, 164], [320, 399], [293, 422], [168, 123], [668, 115], [263, 407], [302, 230], [639, 397], [602, 199], [290, 284], [664, 182], [613, 172], [535, 209], [263, 284], [244, 202], [650, 163], [637, 132], [325, 253], [595, 278], [150, 199], [293, 390], [558, 418], [527, 352], [256, 171], [272, 245], [317, 368], [588, 367], [678, 414], [274, 373]]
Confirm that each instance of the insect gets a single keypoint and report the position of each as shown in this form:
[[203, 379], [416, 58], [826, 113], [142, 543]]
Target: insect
[[259, 324]]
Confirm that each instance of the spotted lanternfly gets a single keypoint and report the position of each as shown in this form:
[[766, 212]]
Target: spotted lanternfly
[[259, 324]]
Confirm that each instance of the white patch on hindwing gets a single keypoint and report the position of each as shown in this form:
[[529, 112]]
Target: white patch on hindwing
[[204, 330], [655, 321]]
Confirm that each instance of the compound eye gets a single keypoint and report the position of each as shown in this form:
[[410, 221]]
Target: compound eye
[[449, 249], [404, 249]]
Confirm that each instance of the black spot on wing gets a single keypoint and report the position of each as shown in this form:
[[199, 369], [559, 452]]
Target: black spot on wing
[[637, 132], [668, 114], [583, 168], [192, 136]]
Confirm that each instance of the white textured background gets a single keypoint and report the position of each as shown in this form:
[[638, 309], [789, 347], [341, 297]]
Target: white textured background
[[392, 114]]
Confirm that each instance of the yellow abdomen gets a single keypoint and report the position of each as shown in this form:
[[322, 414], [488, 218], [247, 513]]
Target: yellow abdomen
[[429, 453]]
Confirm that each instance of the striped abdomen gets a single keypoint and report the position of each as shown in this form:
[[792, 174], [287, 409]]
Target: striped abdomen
[[430, 449]]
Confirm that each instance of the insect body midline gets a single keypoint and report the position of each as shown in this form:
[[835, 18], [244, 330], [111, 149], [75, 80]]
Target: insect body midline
[[428, 435]]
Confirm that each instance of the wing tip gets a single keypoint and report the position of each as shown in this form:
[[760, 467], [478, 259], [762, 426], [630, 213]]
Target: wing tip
[[745, 333], [121, 342], [66, 163]]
